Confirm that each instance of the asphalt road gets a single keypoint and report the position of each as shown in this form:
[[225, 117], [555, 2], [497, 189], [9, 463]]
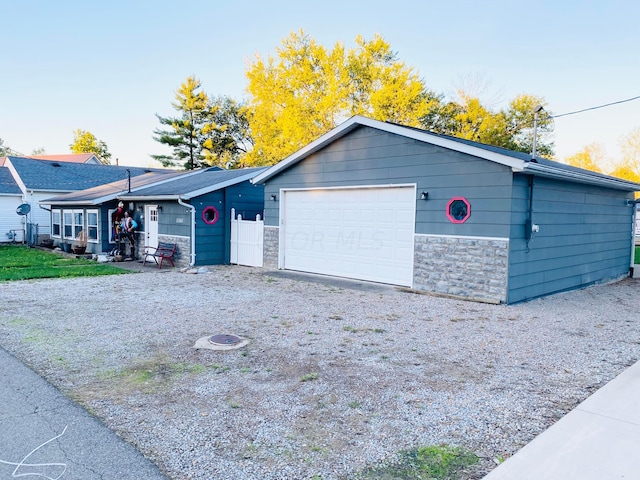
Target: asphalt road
[[43, 435]]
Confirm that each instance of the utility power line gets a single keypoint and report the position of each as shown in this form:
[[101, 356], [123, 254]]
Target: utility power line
[[595, 108]]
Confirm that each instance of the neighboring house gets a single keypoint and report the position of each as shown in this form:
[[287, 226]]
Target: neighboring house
[[190, 209], [382, 202], [40, 179], [12, 227], [71, 157]]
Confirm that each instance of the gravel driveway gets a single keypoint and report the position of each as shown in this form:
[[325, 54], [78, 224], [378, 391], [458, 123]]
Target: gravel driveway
[[338, 376]]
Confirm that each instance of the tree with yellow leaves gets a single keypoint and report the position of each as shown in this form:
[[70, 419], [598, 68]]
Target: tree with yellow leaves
[[629, 168], [307, 89], [86, 142], [591, 157]]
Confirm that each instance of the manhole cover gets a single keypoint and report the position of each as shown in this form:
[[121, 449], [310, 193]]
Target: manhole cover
[[225, 339]]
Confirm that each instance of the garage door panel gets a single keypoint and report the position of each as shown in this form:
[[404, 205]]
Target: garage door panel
[[364, 233]]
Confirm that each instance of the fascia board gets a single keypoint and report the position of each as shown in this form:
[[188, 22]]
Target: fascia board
[[147, 198], [218, 186], [609, 182], [66, 203], [15, 175]]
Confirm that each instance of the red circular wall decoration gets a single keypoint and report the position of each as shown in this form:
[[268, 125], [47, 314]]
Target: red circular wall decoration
[[458, 210], [210, 215]]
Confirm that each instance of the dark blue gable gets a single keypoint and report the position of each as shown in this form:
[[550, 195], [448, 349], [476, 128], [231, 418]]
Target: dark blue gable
[[213, 233]]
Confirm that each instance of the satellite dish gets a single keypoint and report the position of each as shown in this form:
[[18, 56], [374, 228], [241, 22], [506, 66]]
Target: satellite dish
[[23, 209]]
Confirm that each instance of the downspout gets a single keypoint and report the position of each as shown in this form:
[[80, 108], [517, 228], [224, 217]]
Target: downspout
[[634, 215], [528, 225], [192, 262]]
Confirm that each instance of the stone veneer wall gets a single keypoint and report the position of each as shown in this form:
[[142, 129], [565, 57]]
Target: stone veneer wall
[[474, 268], [271, 247], [183, 249]]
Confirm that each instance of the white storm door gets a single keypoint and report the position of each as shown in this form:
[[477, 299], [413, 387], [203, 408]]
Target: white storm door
[[151, 225], [361, 233]]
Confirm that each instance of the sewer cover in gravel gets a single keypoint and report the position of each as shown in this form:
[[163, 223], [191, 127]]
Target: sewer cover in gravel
[[221, 342]]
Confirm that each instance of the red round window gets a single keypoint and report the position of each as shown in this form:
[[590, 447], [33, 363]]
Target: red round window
[[210, 215], [458, 210]]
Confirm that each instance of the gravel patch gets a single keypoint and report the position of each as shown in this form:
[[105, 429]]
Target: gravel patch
[[336, 377]]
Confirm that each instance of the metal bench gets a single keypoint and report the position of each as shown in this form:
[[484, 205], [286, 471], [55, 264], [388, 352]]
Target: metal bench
[[164, 251]]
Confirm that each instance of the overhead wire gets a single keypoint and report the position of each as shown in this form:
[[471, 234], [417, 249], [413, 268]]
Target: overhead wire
[[597, 107], [551, 117]]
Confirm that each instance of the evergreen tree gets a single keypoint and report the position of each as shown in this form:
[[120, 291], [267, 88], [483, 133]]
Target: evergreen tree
[[184, 134]]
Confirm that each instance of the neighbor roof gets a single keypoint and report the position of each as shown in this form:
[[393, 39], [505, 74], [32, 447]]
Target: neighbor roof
[[52, 176], [71, 157], [517, 161], [8, 185], [193, 184]]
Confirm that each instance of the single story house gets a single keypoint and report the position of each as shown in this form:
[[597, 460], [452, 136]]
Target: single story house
[[39, 179], [190, 209], [388, 203]]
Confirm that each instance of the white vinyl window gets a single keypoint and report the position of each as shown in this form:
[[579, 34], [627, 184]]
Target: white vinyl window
[[67, 223], [56, 223], [92, 225], [73, 223]]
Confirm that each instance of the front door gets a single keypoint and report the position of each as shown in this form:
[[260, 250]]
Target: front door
[[151, 225]]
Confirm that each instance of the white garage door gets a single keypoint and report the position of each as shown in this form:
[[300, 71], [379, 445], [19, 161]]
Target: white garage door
[[363, 233]]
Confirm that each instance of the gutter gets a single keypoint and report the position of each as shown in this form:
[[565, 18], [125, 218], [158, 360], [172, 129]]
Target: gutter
[[560, 174], [192, 261]]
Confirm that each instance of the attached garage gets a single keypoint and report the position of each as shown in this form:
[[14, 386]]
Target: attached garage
[[378, 201], [364, 233]]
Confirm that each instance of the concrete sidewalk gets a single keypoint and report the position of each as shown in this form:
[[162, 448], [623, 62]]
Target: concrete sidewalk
[[46, 436], [598, 440]]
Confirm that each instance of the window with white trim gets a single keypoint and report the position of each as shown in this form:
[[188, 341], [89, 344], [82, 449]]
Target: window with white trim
[[56, 223], [92, 226], [67, 223], [73, 223], [78, 222]]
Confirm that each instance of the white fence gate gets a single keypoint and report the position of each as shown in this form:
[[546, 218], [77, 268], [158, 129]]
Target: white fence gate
[[246, 240]]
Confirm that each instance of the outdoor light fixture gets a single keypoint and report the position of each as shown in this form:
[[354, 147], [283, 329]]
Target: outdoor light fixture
[[424, 195], [273, 197], [159, 208]]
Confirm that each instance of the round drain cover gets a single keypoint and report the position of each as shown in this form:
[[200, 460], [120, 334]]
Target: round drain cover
[[225, 339]]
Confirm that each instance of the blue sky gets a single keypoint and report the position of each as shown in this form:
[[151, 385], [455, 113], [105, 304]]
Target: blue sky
[[109, 67]]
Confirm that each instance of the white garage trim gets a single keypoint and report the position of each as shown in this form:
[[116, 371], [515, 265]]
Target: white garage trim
[[363, 232]]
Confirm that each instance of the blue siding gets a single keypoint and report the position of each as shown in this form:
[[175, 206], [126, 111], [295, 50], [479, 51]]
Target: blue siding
[[368, 156], [210, 239], [213, 241], [174, 219], [248, 201], [584, 237]]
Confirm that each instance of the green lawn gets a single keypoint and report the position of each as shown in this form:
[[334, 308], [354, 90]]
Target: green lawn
[[17, 262]]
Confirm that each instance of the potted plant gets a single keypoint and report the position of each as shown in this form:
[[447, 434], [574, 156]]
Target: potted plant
[[81, 243]]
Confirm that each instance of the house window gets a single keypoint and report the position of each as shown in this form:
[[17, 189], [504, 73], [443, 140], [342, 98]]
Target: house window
[[67, 223], [210, 215], [92, 225], [56, 225], [78, 222], [72, 223], [458, 210]]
